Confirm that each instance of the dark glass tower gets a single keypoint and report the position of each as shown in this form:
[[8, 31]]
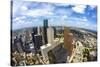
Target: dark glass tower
[[38, 42], [18, 44], [54, 32], [45, 31], [34, 33]]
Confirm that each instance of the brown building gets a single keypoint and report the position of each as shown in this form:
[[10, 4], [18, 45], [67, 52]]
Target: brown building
[[68, 39]]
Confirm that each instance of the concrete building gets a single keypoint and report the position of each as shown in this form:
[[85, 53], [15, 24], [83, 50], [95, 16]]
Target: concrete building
[[46, 48], [38, 30], [50, 35]]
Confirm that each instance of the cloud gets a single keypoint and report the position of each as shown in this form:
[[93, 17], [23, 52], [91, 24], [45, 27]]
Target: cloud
[[92, 6], [18, 18], [62, 4], [38, 12], [21, 24], [64, 17], [79, 8], [42, 9], [82, 22], [32, 13], [84, 19], [81, 19], [86, 25], [24, 8]]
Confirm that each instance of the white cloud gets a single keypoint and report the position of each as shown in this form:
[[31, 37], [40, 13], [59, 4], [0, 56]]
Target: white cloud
[[38, 12], [86, 25], [19, 22], [64, 17], [18, 18], [79, 8], [92, 6], [44, 9], [62, 4], [47, 6], [24, 8], [84, 19], [82, 22]]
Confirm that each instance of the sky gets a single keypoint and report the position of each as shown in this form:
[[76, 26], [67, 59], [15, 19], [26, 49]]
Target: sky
[[30, 14]]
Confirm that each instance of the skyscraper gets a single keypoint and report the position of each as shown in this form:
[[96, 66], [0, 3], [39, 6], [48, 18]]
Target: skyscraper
[[18, 44], [38, 30], [68, 41], [28, 36], [54, 32], [35, 30], [50, 35], [34, 33], [58, 54], [45, 31], [38, 42]]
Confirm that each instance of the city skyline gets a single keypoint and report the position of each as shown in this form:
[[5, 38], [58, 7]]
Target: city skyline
[[30, 14]]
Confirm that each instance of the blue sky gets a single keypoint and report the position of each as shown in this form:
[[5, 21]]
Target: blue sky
[[29, 14]]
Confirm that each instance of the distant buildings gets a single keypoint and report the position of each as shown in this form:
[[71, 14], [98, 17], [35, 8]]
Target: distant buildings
[[52, 45]]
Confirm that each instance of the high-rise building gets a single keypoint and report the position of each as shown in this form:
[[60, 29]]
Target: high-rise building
[[35, 30], [38, 42], [45, 30], [58, 55], [54, 32], [18, 44], [38, 30], [34, 33], [46, 48], [31, 45], [68, 41], [28, 36], [27, 48], [50, 34]]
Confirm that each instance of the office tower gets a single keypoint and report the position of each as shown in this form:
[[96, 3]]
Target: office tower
[[54, 32], [68, 41], [50, 35], [33, 40], [22, 41], [42, 33], [13, 47], [34, 33], [45, 31], [35, 30], [46, 48], [38, 42], [29, 47], [57, 55], [38, 30], [28, 36], [18, 44]]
